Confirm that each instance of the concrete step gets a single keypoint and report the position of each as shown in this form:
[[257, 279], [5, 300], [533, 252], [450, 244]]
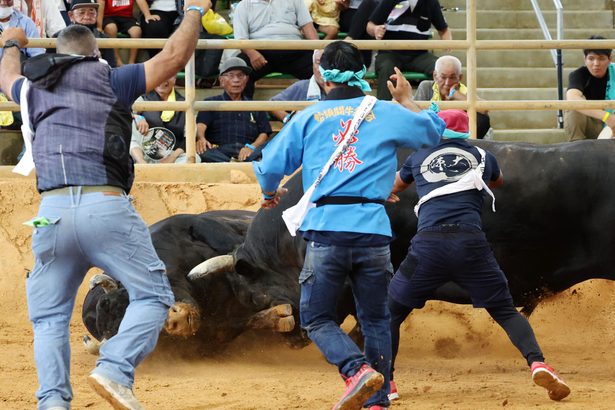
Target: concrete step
[[518, 93], [545, 5], [535, 136], [523, 119], [527, 19], [533, 33], [520, 58], [495, 77]]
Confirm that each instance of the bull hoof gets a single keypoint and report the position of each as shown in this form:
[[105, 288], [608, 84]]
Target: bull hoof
[[279, 318], [91, 346], [107, 282], [184, 320]]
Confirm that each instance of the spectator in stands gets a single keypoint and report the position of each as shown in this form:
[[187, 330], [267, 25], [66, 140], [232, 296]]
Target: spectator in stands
[[224, 135], [45, 14], [354, 16], [115, 16], [390, 22], [447, 86], [302, 90], [274, 20], [85, 13], [326, 15], [159, 20], [9, 17], [173, 121], [591, 82]]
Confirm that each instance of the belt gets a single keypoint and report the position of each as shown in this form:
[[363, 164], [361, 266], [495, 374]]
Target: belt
[[347, 200], [86, 189], [444, 228]]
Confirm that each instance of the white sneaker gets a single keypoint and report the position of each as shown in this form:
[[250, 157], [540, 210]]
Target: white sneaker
[[120, 397]]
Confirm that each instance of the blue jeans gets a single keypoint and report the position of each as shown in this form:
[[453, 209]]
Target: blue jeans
[[322, 279], [87, 230]]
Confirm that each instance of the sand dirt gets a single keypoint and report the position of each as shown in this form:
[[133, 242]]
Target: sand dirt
[[451, 357]]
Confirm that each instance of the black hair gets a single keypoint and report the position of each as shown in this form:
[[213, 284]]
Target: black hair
[[341, 55], [76, 39], [599, 51]]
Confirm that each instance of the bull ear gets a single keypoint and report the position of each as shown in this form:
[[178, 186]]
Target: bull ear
[[215, 265]]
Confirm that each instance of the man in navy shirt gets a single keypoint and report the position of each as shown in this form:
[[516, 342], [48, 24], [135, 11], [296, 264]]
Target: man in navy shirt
[[79, 108], [451, 181], [223, 136]]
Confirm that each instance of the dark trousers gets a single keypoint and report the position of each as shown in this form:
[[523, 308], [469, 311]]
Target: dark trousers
[[354, 21], [514, 324], [224, 153], [297, 63], [461, 254], [483, 123], [424, 62], [162, 28]]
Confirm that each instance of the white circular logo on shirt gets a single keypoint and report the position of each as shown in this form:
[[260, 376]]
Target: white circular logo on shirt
[[447, 165]]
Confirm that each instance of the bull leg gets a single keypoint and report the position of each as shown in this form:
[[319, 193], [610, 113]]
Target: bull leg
[[184, 320], [279, 318], [92, 346]]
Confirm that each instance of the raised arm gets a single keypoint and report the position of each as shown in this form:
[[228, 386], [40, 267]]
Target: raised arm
[[178, 49], [10, 64]]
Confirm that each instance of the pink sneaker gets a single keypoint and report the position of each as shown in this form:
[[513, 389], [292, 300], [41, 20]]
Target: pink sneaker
[[378, 407], [393, 395], [359, 388], [544, 376]]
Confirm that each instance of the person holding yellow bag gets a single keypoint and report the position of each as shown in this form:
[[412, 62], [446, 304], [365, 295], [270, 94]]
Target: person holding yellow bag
[[9, 120]]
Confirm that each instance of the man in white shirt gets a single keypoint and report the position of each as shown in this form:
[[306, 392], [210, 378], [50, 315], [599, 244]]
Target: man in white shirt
[[274, 20]]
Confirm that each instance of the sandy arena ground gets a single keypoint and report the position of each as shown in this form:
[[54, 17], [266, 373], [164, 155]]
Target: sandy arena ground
[[451, 357]]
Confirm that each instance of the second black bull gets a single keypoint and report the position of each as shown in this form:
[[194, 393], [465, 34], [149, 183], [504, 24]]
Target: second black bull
[[553, 229]]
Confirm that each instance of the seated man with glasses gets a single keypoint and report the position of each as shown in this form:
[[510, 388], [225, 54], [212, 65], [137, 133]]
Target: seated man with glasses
[[447, 86], [224, 136]]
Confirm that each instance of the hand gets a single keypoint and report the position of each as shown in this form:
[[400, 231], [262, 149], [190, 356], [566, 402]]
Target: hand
[[15, 33], [402, 90], [202, 145], [151, 17], [206, 4], [142, 126], [257, 61], [455, 94], [610, 122], [342, 4], [393, 198], [273, 202], [379, 32], [244, 153]]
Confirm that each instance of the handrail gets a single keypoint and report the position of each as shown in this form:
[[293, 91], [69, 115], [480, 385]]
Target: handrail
[[555, 55], [362, 44], [471, 45], [491, 105]]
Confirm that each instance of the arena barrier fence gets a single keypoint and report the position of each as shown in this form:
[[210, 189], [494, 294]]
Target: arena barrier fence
[[470, 44]]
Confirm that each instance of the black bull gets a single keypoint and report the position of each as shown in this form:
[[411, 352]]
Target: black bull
[[551, 231]]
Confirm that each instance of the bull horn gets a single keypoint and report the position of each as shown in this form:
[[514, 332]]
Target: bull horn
[[217, 264]]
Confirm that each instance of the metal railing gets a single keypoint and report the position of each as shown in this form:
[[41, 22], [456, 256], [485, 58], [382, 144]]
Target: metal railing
[[556, 55], [471, 45]]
